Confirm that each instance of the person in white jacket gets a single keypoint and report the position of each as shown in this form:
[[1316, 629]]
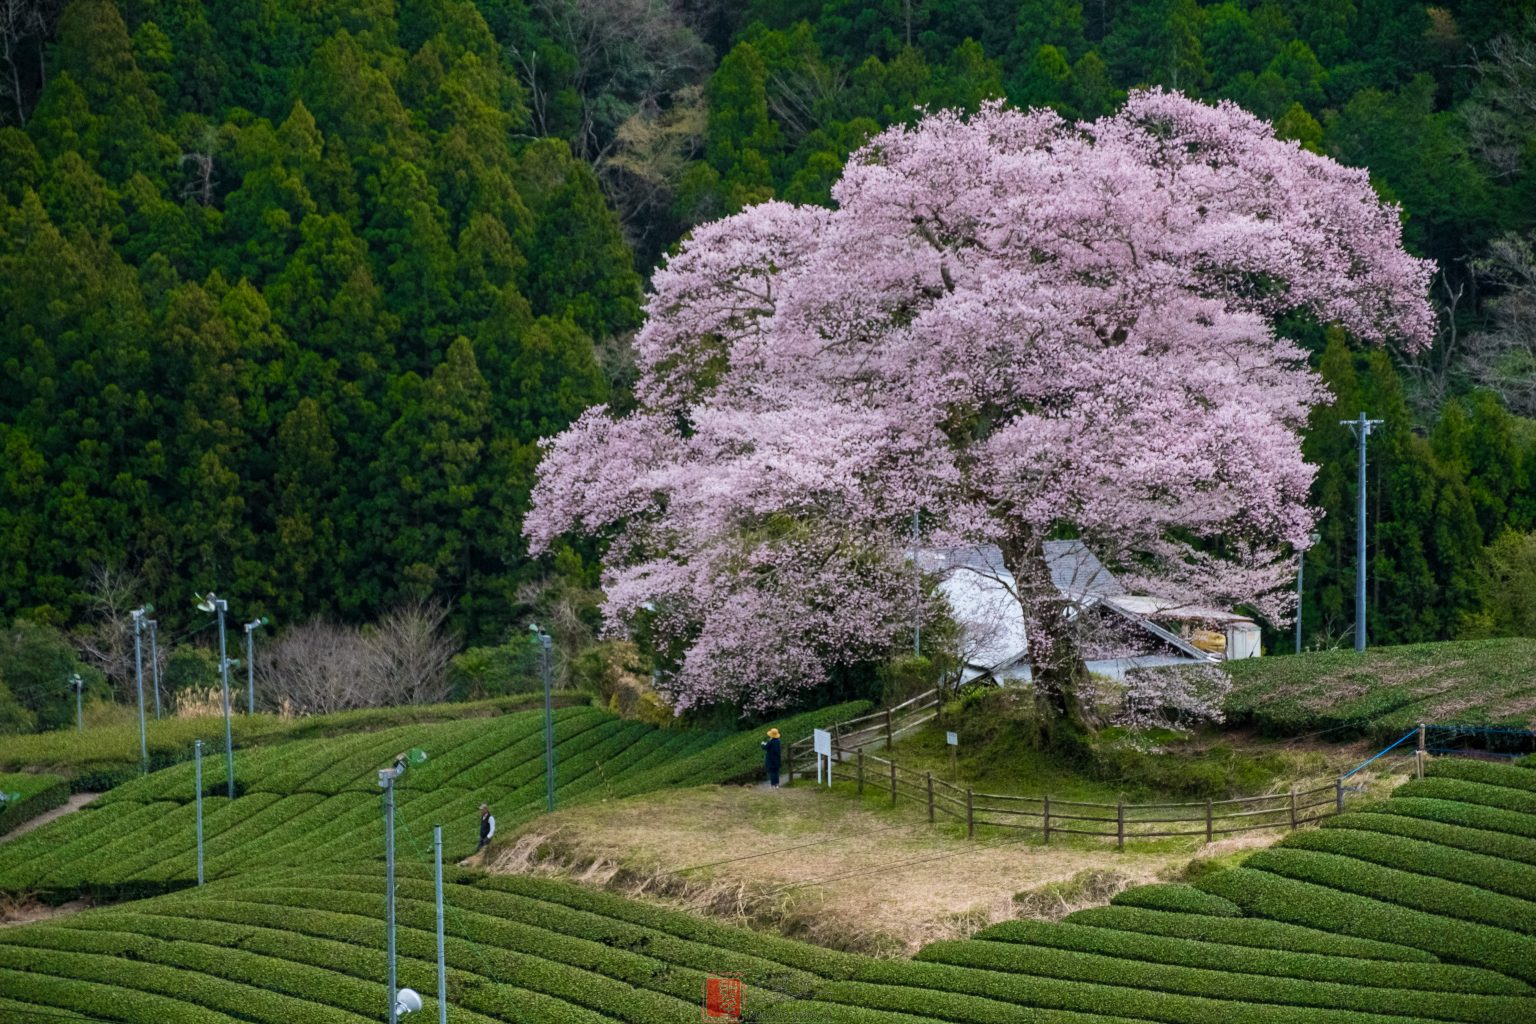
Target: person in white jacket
[[487, 827]]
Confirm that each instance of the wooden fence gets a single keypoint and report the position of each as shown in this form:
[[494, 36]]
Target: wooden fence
[[1053, 816], [870, 732]]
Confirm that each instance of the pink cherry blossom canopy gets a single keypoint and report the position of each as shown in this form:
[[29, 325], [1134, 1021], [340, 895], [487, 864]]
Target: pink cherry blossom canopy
[[1021, 328]]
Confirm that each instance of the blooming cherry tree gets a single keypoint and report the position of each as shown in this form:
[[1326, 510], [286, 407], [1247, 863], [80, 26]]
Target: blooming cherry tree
[[1020, 327]]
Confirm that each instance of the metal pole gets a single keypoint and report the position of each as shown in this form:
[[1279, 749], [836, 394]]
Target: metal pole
[[250, 670], [387, 780], [138, 678], [442, 968], [197, 756], [549, 729], [154, 662], [1362, 430], [79, 685], [229, 740]]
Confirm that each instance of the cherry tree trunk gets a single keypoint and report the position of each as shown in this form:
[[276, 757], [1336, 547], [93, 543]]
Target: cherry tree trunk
[[1055, 642]]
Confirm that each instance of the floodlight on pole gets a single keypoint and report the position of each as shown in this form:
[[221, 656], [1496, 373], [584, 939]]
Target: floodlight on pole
[[79, 685], [154, 661], [407, 1001], [1301, 570], [387, 780], [1361, 428], [549, 717], [250, 662], [138, 678], [211, 603]]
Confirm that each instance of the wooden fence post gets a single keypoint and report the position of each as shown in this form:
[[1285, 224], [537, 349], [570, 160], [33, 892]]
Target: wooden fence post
[[1293, 807], [888, 739], [861, 771], [1046, 815], [930, 797], [1120, 824], [1210, 824], [893, 783], [970, 815], [1338, 795]]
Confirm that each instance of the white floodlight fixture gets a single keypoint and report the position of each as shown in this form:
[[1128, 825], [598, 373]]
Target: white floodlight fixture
[[407, 1001]]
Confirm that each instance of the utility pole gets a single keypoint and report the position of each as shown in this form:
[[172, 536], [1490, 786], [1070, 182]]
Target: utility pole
[[549, 718], [138, 678], [210, 603], [1301, 570], [250, 662], [154, 661], [1361, 428], [197, 755], [442, 960]]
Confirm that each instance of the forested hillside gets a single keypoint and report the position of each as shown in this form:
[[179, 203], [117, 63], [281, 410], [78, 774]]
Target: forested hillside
[[289, 291]]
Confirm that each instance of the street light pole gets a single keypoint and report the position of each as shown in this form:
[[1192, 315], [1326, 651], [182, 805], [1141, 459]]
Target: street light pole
[[154, 662], [79, 685], [1361, 428], [210, 603], [1301, 570], [549, 719], [138, 678], [387, 777], [250, 663]]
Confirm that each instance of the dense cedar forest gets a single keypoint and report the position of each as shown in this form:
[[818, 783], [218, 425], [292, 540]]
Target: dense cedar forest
[[289, 291]]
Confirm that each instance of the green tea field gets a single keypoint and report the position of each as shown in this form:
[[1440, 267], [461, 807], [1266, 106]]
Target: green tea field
[[1417, 908]]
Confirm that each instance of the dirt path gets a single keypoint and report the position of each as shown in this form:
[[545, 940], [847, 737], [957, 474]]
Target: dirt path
[[829, 869], [74, 803]]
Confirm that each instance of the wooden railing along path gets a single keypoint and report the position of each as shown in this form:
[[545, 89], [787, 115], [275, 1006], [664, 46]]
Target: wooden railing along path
[[1053, 816]]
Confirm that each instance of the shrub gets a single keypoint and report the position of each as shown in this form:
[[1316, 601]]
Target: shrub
[[1172, 896], [1495, 844], [1421, 892], [36, 662], [1480, 793], [1280, 898], [1509, 775], [982, 996], [1135, 946], [1254, 932], [1071, 965], [1454, 812], [1426, 858], [511, 667]]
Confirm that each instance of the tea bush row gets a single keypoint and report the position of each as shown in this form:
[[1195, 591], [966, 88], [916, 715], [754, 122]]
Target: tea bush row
[[1252, 932], [34, 794], [1173, 896], [1279, 898], [1454, 900], [1476, 840], [1039, 962], [1495, 874], [1131, 945]]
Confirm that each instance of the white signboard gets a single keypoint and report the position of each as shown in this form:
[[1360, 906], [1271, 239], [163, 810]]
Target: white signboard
[[821, 739], [952, 739]]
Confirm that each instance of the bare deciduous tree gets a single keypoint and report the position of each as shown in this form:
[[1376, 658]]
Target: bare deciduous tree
[[25, 26], [105, 640], [409, 654], [1503, 357], [1500, 111]]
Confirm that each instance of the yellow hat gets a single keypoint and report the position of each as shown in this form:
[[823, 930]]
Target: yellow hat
[[773, 734]]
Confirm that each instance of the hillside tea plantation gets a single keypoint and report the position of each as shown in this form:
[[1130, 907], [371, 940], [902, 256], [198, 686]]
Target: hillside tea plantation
[[1417, 908], [312, 801]]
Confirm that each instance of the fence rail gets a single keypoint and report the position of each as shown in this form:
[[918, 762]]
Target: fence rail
[[852, 761], [1051, 816]]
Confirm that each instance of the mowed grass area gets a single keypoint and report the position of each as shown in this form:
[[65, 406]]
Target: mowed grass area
[[1421, 907], [826, 867], [1385, 691], [317, 801]]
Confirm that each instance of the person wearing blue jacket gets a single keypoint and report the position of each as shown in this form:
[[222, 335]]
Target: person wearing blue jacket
[[771, 759]]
